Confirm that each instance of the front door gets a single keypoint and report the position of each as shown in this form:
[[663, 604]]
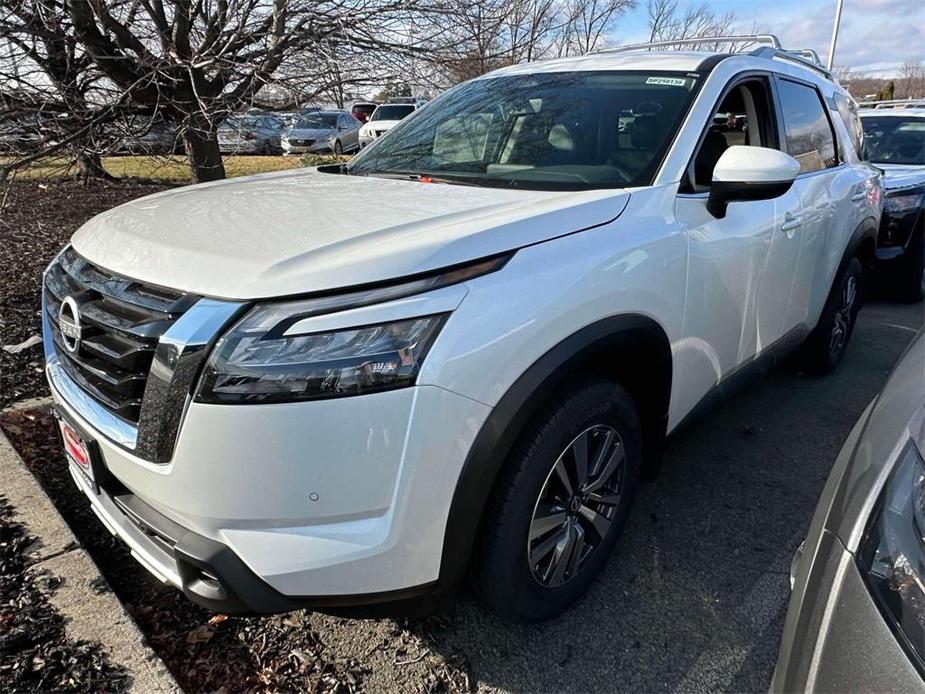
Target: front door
[[738, 289]]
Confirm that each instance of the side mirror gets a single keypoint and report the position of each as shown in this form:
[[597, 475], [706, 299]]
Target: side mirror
[[750, 173]]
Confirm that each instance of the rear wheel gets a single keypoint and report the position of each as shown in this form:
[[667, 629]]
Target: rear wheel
[[560, 502], [826, 346]]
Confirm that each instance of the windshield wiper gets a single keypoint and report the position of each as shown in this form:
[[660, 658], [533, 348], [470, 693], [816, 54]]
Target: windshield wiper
[[420, 177]]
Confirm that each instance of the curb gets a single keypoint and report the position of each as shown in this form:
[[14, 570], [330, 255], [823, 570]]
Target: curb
[[91, 610]]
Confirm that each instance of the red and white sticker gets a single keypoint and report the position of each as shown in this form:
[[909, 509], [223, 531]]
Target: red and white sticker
[[76, 449]]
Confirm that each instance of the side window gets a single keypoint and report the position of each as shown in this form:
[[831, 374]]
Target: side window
[[744, 117], [848, 110], [808, 133]]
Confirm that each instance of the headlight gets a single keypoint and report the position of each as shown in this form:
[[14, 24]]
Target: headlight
[[253, 363], [266, 357], [900, 204], [892, 556]]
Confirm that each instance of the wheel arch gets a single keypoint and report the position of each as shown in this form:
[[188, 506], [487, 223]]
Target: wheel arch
[[630, 348], [863, 245]]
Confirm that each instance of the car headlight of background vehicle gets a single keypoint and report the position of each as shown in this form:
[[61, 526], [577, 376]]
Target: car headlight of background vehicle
[[892, 555], [900, 204], [257, 363]]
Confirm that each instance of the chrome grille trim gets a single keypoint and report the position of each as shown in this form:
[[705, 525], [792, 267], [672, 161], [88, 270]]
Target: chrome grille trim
[[121, 323], [133, 374]]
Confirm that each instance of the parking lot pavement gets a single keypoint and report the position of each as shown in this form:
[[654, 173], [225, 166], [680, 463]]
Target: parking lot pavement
[[695, 596]]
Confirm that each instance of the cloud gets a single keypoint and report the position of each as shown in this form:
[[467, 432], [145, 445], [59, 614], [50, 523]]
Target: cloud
[[876, 36]]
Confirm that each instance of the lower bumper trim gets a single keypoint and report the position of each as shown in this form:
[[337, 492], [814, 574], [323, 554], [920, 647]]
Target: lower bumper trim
[[211, 575]]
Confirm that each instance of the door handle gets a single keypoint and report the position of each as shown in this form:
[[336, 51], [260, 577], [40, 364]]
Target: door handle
[[791, 222], [858, 197]]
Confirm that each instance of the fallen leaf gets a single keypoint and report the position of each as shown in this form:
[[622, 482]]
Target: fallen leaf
[[200, 634], [24, 345]]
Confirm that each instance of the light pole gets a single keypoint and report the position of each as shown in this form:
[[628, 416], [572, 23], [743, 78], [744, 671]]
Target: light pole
[[831, 59]]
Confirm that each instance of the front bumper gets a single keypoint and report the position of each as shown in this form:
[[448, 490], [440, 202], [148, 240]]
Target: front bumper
[[314, 148], [897, 235], [331, 504]]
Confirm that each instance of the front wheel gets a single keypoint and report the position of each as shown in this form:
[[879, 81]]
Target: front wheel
[[560, 502], [826, 346], [338, 148]]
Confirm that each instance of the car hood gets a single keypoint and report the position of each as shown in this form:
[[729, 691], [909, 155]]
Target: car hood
[[898, 176], [382, 124], [304, 231], [309, 133]]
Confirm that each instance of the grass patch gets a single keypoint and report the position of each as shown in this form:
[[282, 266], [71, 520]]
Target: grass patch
[[174, 169]]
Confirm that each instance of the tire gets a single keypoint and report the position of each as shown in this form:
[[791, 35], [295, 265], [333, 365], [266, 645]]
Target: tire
[[515, 576], [338, 148], [909, 280], [827, 344]]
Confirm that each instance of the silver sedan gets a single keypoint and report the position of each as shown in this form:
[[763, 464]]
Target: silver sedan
[[322, 132], [856, 620]]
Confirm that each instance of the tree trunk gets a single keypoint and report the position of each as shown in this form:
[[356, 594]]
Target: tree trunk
[[205, 160], [90, 166]]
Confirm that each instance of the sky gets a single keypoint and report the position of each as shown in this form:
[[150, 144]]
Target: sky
[[876, 36]]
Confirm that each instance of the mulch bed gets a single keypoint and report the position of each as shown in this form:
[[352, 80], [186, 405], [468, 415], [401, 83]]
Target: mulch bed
[[36, 221], [35, 652]]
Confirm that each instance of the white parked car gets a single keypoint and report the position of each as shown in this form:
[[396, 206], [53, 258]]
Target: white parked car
[[384, 118], [346, 387]]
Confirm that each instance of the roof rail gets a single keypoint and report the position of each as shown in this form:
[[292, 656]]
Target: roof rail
[[770, 39], [772, 48], [893, 103], [800, 57]]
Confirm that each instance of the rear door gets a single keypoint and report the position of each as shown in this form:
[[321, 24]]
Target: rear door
[[827, 188]]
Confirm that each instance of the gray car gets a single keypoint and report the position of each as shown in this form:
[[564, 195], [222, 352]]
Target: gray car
[[252, 133], [856, 620], [322, 132]]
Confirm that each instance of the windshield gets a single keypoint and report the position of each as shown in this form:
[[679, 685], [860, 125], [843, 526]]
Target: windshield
[[392, 112], [317, 121], [894, 139], [567, 130]]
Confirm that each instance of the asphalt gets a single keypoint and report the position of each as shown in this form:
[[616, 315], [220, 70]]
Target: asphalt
[[695, 595]]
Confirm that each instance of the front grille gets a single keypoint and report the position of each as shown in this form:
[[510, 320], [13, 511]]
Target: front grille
[[121, 322]]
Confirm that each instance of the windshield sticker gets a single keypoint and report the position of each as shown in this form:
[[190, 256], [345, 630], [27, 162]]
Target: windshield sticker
[[668, 81]]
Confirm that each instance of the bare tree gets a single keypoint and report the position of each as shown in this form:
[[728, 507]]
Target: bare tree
[[587, 22], [669, 22], [195, 61], [53, 77], [911, 82], [528, 26]]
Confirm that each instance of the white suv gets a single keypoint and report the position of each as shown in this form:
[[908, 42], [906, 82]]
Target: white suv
[[384, 118], [345, 387]]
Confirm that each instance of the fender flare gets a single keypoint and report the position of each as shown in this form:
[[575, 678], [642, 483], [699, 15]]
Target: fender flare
[[865, 231], [521, 402]]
